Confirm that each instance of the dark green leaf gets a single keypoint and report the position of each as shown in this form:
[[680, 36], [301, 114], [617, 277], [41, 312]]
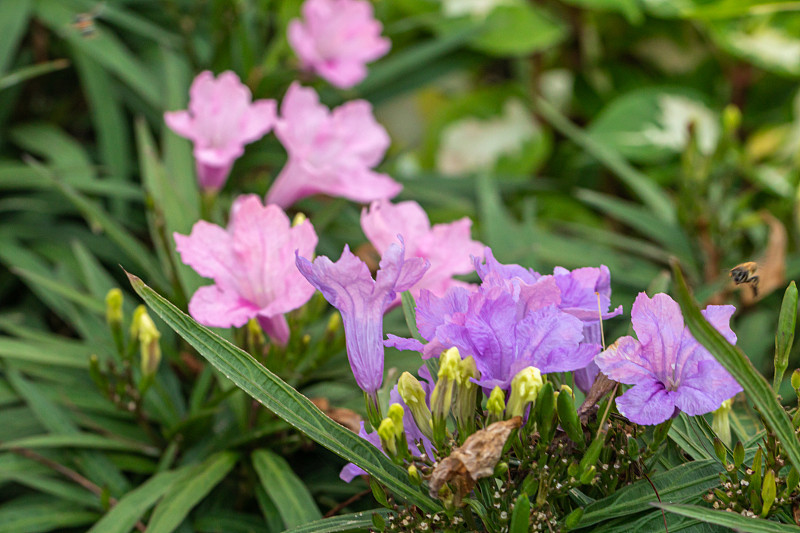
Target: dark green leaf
[[285, 489], [350, 522], [734, 521]]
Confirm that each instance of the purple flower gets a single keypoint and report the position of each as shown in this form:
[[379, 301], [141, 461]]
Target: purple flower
[[348, 285], [330, 153], [337, 38], [512, 321], [253, 266], [221, 119], [447, 246], [669, 369]]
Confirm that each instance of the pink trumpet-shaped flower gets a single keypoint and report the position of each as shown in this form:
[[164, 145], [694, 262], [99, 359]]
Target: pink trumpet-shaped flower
[[348, 285], [448, 247], [337, 38], [253, 265], [329, 152], [221, 119]]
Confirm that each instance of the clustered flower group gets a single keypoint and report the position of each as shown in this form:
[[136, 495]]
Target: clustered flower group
[[501, 336]]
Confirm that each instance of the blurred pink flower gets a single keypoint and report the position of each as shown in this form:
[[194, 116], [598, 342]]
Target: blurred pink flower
[[221, 119], [448, 247], [329, 152], [253, 266], [337, 38]]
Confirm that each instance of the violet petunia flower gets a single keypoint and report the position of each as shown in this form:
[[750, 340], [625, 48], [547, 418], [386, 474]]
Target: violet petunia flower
[[447, 246], [348, 285], [330, 153], [253, 265], [221, 119], [669, 369], [336, 39], [511, 322]]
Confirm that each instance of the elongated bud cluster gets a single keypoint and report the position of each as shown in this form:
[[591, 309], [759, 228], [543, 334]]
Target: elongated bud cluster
[[442, 395], [413, 395], [465, 394], [387, 431], [568, 415], [721, 422], [525, 388], [546, 413], [148, 336], [496, 405]]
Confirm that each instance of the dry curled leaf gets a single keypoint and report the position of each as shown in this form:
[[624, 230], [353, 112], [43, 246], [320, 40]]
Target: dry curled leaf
[[601, 386], [346, 417], [474, 460]]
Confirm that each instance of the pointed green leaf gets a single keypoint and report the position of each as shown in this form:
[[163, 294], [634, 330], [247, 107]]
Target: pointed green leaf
[[285, 489], [734, 521], [349, 522], [249, 375], [784, 337]]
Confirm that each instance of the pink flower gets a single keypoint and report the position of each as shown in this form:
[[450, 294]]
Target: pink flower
[[253, 266], [221, 119], [337, 38], [448, 247], [329, 152]]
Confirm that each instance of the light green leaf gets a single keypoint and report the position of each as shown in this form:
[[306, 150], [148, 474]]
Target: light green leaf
[[350, 522], [519, 29], [79, 440], [187, 492], [285, 489], [734, 521], [283, 400], [34, 514], [731, 357]]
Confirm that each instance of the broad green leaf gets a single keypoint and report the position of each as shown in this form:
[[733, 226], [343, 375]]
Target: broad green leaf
[[731, 357], [650, 194], [521, 515], [734, 521], [283, 400], [189, 490], [285, 489], [350, 522], [682, 483], [629, 8], [653, 522], [692, 439], [132, 506], [519, 29], [13, 22]]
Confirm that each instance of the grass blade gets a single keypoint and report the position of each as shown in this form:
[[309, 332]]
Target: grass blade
[[285, 489], [734, 521], [351, 522]]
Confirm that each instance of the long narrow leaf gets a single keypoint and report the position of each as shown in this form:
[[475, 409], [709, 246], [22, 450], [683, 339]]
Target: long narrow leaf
[[735, 521], [285, 489], [241, 368], [351, 522], [740, 367]]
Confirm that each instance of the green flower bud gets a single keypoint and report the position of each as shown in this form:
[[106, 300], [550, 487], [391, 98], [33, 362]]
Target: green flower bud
[[150, 347], [731, 119], [413, 476], [442, 395], [298, 219], [738, 454], [545, 411], [796, 379], [525, 388], [768, 492], [573, 518], [114, 315], [334, 323], [500, 469], [97, 375], [755, 477], [721, 423], [792, 480], [137, 316], [413, 395], [396, 413], [496, 404], [588, 476], [388, 434], [591, 456], [568, 415], [719, 451], [465, 396]]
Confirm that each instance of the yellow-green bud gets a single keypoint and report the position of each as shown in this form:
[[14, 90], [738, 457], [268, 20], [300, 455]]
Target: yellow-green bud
[[149, 341], [568, 415], [449, 362], [720, 451], [496, 404], [465, 396], [721, 423], [573, 518], [731, 118], [768, 492], [588, 475], [298, 219], [442, 395], [334, 323], [413, 395], [738, 454], [796, 379], [137, 316], [388, 434], [396, 413], [413, 476], [114, 307], [525, 388]]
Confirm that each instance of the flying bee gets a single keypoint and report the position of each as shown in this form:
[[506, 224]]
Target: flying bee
[[84, 22], [746, 273]]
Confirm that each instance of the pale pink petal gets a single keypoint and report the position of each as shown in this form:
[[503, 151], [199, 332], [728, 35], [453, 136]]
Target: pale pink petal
[[276, 327], [212, 177], [302, 43], [208, 250], [363, 138], [658, 324], [181, 123], [648, 403], [302, 116], [342, 74], [625, 361], [220, 308], [384, 220], [258, 120]]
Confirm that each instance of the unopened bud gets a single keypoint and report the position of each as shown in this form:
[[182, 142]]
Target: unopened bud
[[388, 435], [396, 413], [573, 518], [442, 395], [525, 388], [738, 454], [334, 323], [719, 451], [796, 379], [568, 415], [545, 412], [413, 476], [114, 307], [588, 475], [413, 395], [298, 219], [768, 492], [500, 469], [731, 119], [465, 396], [496, 404]]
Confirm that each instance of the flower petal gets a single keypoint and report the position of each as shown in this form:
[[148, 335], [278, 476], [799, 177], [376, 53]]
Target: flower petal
[[648, 403], [221, 308]]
